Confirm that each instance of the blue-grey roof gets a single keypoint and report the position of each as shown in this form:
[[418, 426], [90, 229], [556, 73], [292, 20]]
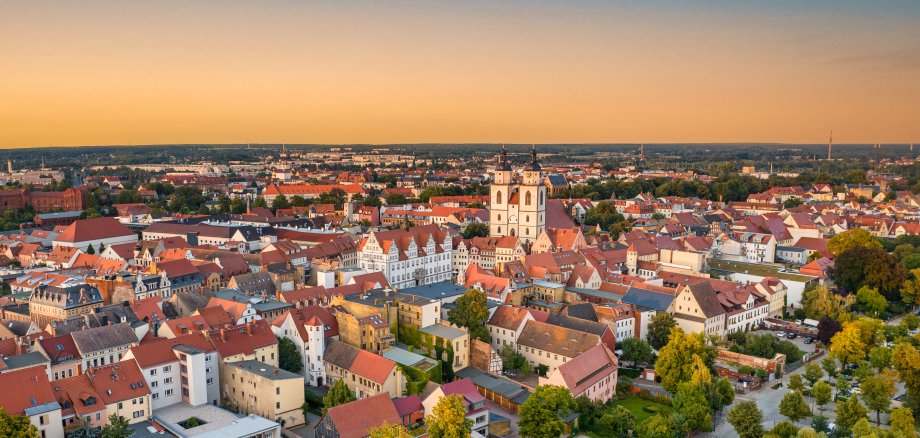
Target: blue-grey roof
[[60, 214], [407, 358], [549, 284], [557, 180], [24, 360], [42, 408], [648, 299], [435, 291], [506, 388], [443, 331], [790, 249]]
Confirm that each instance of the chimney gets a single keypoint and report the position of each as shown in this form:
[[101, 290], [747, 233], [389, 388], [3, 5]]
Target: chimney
[[249, 328], [223, 334]]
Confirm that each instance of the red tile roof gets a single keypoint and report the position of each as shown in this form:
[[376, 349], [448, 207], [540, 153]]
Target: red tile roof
[[374, 411], [93, 229], [241, 339], [118, 382], [24, 389]]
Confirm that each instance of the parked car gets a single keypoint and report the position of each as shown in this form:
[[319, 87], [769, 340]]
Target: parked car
[[791, 336], [809, 340], [781, 334]]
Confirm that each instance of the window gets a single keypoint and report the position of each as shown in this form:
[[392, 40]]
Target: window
[[527, 198], [498, 197]]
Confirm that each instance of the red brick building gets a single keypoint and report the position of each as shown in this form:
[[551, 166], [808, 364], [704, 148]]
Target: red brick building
[[69, 200]]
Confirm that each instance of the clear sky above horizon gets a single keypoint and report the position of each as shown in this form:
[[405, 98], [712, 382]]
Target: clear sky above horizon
[[100, 72]]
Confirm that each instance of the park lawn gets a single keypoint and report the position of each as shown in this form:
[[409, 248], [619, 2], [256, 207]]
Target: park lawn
[[636, 405]]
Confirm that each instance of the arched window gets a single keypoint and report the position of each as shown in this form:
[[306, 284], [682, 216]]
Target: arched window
[[498, 197], [499, 216], [527, 198], [499, 230], [512, 232], [527, 219]]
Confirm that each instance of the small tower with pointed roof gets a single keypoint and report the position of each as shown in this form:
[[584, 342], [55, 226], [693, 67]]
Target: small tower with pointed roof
[[632, 259]]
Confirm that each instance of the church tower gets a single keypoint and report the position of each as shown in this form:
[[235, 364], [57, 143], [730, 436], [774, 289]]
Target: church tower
[[500, 192], [518, 205], [532, 200]]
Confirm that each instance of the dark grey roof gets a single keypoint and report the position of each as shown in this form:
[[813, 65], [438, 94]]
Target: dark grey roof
[[101, 338], [645, 298], [435, 291], [263, 369], [340, 354], [582, 325], [101, 316], [255, 283], [557, 180], [582, 311], [706, 297], [24, 360]]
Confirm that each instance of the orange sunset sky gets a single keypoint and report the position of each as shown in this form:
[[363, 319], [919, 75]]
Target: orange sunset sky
[[102, 72]]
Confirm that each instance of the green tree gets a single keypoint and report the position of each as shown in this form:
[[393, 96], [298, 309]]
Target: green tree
[[280, 201], [684, 357], [829, 365], [90, 250], [659, 329], [822, 393], [783, 429], [910, 290], [820, 302], [747, 419], [813, 372], [448, 418], [662, 426], [603, 214], [471, 311], [288, 357], [300, 201], [880, 357], [806, 432], [513, 359], [877, 392], [841, 385], [872, 267], [387, 430], [849, 412], [541, 414], [238, 206], [338, 394], [260, 203], [16, 426], [636, 351], [902, 423], [871, 301], [906, 360], [475, 229], [117, 428], [796, 383], [852, 239], [619, 421], [794, 407], [690, 403], [848, 345]]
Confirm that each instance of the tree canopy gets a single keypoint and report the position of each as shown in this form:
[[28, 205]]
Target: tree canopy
[[448, 418], [471, 311], [684, 357], [659, 329], [747, 419], [338, 394], [542, 413], [288, 357]]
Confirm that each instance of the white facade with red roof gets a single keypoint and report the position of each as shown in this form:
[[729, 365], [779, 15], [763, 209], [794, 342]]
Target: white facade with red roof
[[592, 374], [94, 232], [411, 257]]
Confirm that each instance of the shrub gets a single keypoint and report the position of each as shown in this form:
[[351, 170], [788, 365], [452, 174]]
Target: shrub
[[652, 409]]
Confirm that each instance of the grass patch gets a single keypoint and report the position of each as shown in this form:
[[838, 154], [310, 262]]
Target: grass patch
[[637, 406]]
